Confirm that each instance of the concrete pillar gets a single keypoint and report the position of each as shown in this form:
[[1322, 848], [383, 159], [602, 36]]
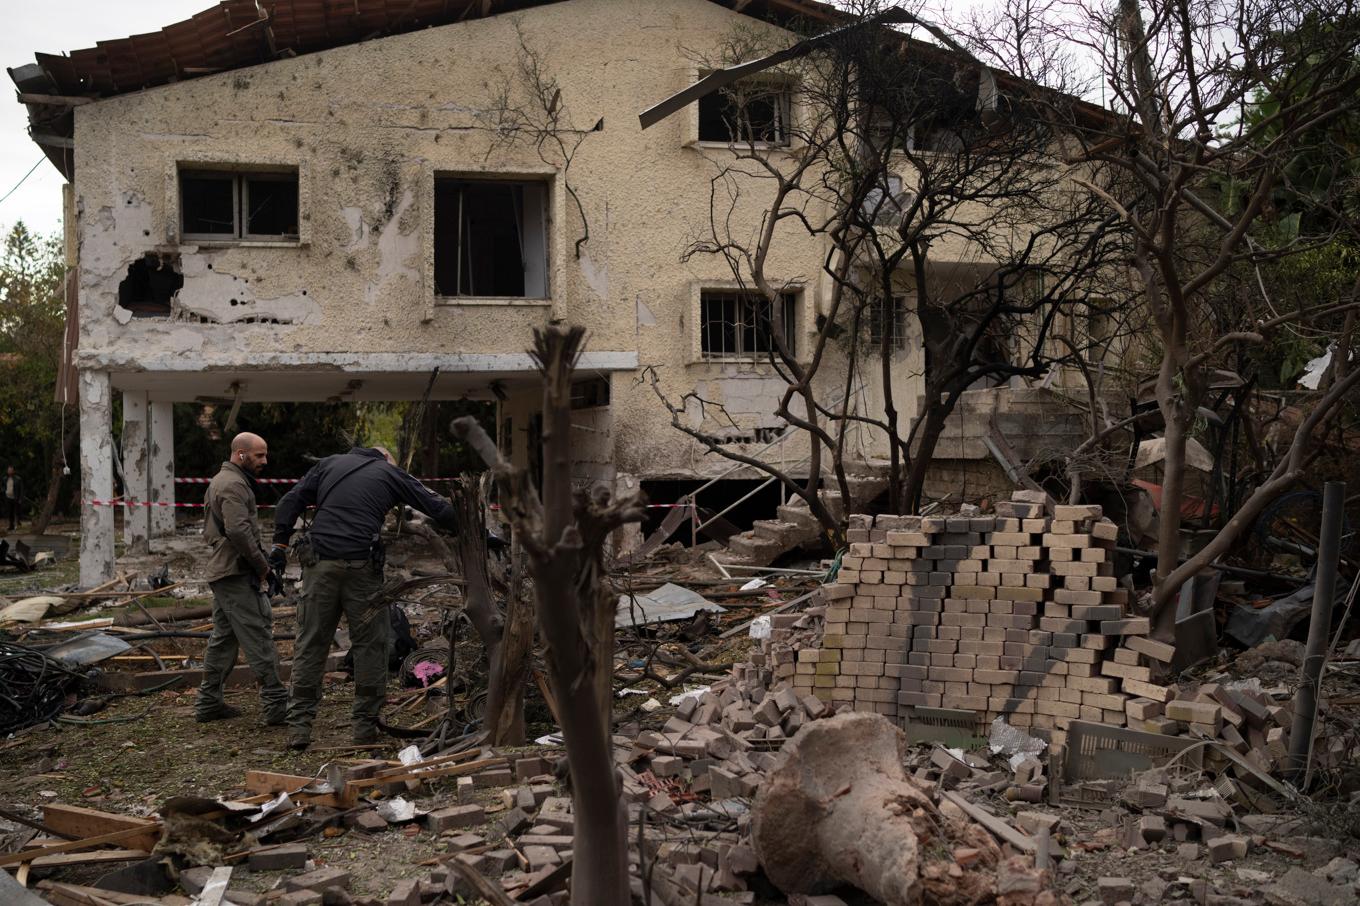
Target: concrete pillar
[[96, 477], [162, 468], [136, 472]]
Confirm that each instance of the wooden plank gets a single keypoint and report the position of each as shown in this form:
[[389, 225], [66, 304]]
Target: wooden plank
[[78, 822], [273, 783], [998, 828], [28, 855], [455, 758], [453, 770], [56, 100], [90, 858], [54, 889]]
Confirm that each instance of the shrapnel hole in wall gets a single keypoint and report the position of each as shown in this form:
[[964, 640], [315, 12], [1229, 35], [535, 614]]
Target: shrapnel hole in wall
[[150, 285]]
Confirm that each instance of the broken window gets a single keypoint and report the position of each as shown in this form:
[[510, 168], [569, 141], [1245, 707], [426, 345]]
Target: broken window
[[738, 325], [226, 205], [150, 285], [890, 318], [490, 238], [747, 111]]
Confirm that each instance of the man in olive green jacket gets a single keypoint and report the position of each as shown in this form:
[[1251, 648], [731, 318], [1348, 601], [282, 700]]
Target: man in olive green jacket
[[236, 570]]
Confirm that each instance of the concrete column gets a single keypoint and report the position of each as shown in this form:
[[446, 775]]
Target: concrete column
[[96, 477], [162, 468], [136, 472]]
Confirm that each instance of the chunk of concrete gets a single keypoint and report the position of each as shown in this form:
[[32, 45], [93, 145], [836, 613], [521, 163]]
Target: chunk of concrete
[[1227, 847], [839, 808]]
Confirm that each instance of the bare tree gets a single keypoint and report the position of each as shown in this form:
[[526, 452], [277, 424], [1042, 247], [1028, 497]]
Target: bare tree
[[563, 533], [1221, 98], [930, 182]]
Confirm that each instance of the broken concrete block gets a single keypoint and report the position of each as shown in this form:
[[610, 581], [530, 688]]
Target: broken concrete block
[[1187, 852], [1152, 828], [280, 858], [1210, 715], [531, 767], [465, 789], [405, 893], [455, 817], [300, 898], [1034, 822], [369, 822], [500, 860], [319, 880], [541, 857], [498, 777], [1114, 890], [1227, 847], [513, 821], [667, 766], [461, 842]]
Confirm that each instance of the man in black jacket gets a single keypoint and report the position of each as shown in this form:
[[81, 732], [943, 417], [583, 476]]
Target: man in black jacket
[[341, 573]]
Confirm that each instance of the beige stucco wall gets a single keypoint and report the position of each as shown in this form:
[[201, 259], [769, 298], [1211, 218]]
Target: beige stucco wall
[[369, 126]]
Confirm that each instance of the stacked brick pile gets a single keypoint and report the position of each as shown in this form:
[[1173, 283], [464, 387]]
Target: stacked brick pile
[[1015, 614]]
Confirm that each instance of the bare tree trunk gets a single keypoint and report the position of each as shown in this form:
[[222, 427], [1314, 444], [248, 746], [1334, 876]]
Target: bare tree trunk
[[59, 457], [932, 428], [564, 540], [507, 639]]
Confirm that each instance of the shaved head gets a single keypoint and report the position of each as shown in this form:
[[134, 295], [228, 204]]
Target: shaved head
[[245, 441], [250, 452]]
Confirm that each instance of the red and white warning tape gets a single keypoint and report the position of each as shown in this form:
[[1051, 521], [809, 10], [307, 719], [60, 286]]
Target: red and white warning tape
[[179, 480]]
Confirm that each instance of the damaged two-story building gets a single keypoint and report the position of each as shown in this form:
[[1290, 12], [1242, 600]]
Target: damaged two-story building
[[303, 201]]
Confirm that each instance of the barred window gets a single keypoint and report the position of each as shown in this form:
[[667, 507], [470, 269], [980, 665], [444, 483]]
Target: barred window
[[889, 318], [734, 324]]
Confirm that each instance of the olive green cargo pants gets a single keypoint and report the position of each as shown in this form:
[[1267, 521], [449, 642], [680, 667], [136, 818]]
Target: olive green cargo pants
[[241, 621], [332, 588]]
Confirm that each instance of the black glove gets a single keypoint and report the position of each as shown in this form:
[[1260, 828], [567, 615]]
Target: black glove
[[274, 584], [278, 560]]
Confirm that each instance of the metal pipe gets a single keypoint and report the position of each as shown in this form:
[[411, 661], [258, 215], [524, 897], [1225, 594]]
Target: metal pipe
[[1319, 628]]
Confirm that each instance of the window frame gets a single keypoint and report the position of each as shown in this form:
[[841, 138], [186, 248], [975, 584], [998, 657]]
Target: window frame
[[546, 190], [791, 313], [788, 110], [239, 177]]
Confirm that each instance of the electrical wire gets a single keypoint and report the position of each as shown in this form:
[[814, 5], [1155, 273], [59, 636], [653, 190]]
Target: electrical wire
[[21, 182], [33, 687]]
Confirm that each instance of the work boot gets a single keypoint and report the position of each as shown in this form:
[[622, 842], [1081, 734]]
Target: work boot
[[276, 717], [226, 712], [366, 735], [298, 740]]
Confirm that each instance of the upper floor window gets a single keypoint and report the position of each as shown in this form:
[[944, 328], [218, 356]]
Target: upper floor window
[[735, 324], [748, 111], [239, 205], [490, 238]]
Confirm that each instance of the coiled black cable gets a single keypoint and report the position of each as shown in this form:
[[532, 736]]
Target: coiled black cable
[[33, 687]]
